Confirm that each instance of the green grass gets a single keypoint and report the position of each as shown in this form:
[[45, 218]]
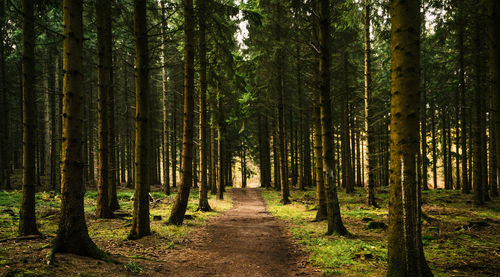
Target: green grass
[[365, 252]]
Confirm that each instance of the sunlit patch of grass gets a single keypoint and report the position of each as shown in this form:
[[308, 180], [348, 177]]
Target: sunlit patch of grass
[[446, 244], [333, 254]]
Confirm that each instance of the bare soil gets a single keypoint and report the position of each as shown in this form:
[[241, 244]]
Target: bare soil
[[245, 241]]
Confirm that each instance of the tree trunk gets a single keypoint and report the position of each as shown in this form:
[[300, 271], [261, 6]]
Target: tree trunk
[[72, 235], [434, 143], [347, 172], [369, 113], [423, 138], [4, 108], [477, 136], [182, 198], [461, 85], [140, 219], [203, 143], [494, 58], [213, 156], [405, 250], [166, 154], [492, 169], [113, 198], [27, 220], [444, 149], [103, 8], [173, 139], [322, 212], [276, 161], [335, 224]]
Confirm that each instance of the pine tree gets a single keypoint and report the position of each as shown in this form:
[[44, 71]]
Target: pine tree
[[405, 250]]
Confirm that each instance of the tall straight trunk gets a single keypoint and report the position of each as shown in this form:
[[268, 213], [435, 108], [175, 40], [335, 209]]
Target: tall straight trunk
[[282, 134], [470, 146], [492, 156], [72, 235], [103, 209], [59, 101], [335, 224], [457, 140], [113, 198], [322, 212], [243, 168], [90, 143], [85, 135], [444, 148], [182, 198], [203, 143], [4, 108], [276, 161], [405, 249], [53, 123], [465, 184], [306, 159], [220, 149], [281, 103], [213, 156], [173, 139], [477, 136], [264, 154], [123, 167], [27, 220], [484, 146], [140, 218], [291, 136], [369, 112], [423, 134], [448, 143], [164, 75], [494, 58], [434, 144], [347, 171], [46, 116]]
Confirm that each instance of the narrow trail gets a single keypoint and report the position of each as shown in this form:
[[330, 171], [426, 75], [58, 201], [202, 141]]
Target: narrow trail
[[244, 241]]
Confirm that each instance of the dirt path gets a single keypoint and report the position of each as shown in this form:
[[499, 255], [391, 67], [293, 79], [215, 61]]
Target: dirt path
[[245, 241]]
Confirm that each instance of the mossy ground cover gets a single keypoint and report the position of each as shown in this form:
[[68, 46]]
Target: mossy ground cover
[[459, 239], [26, 257]]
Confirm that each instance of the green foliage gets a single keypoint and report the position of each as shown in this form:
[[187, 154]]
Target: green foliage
[[133, 267]]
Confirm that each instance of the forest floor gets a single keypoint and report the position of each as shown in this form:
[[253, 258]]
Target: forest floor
[[459, 238], [244, 236], [243, 241]]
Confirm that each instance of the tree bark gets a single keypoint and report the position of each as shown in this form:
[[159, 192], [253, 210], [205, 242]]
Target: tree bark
[[103, 210], [494, 58], [72, 235], [335, 224], [166, 153], [423, 133], [140, 218], [405, 250], [477, 117], [27, 220], [182, 198], [369, 112], [203, 204], [465, 185], [322, 212]]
